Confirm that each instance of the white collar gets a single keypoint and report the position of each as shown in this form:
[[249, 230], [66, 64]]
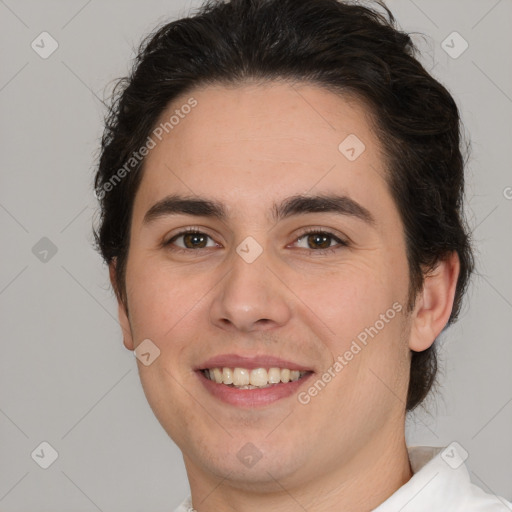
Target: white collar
[[441, 481]]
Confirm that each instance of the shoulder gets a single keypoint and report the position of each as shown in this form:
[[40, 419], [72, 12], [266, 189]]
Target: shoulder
[[477, 500]]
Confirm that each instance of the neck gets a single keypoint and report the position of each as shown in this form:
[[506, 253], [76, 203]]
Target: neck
[[380, 468]]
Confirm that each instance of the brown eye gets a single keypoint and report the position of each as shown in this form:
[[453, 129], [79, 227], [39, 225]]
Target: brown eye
[[320, 241], [191, 240], [194, 240]]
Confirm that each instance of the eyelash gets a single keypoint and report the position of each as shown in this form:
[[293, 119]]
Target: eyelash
[[308, 231]]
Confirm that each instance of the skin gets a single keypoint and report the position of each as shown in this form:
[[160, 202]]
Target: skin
[[249, 147]]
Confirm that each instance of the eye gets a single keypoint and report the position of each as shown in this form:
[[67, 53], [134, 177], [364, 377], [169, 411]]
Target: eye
[[320, 241], [316, 240], [192, 239]]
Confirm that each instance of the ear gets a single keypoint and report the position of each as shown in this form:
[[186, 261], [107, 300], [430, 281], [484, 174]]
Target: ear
[[124, 322], [434, 303]]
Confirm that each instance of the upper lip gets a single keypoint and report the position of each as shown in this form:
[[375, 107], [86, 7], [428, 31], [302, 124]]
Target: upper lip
[[250, 362]]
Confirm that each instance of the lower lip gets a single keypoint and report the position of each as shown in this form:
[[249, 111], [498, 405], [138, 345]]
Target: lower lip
[[252, 397]]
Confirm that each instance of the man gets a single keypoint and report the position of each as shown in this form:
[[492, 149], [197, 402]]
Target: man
[[281, 189]]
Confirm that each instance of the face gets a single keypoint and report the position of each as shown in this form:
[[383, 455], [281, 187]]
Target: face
[[270, 284]]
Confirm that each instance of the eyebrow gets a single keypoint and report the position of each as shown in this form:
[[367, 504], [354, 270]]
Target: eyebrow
[[294, 205]]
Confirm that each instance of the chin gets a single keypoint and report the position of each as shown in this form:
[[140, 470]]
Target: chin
[[251, 468]]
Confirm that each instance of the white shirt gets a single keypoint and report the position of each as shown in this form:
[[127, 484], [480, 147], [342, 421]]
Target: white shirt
[[440, 482]]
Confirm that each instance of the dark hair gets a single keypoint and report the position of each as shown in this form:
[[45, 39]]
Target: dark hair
[[346, 48]]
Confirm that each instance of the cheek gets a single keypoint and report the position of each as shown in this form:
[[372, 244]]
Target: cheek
[[362, 306], [351, 298], [161, 298], [369, 364]]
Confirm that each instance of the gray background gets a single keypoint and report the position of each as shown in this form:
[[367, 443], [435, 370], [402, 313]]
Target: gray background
[[66, 377]]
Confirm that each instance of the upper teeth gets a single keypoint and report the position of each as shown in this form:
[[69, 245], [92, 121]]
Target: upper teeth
[[258, 377]]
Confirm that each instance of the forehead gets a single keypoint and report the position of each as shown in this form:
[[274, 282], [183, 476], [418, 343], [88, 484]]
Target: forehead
[[249, 143], [275, 118]]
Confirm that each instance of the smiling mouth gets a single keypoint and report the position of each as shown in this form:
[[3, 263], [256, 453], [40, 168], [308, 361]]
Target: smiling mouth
[[257, 378]]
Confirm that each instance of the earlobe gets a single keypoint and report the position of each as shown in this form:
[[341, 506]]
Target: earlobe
[[125, 326], [434, 303], [124, 321]]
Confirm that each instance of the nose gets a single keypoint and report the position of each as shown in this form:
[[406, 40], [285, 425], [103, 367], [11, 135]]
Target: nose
[[250, 297]]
